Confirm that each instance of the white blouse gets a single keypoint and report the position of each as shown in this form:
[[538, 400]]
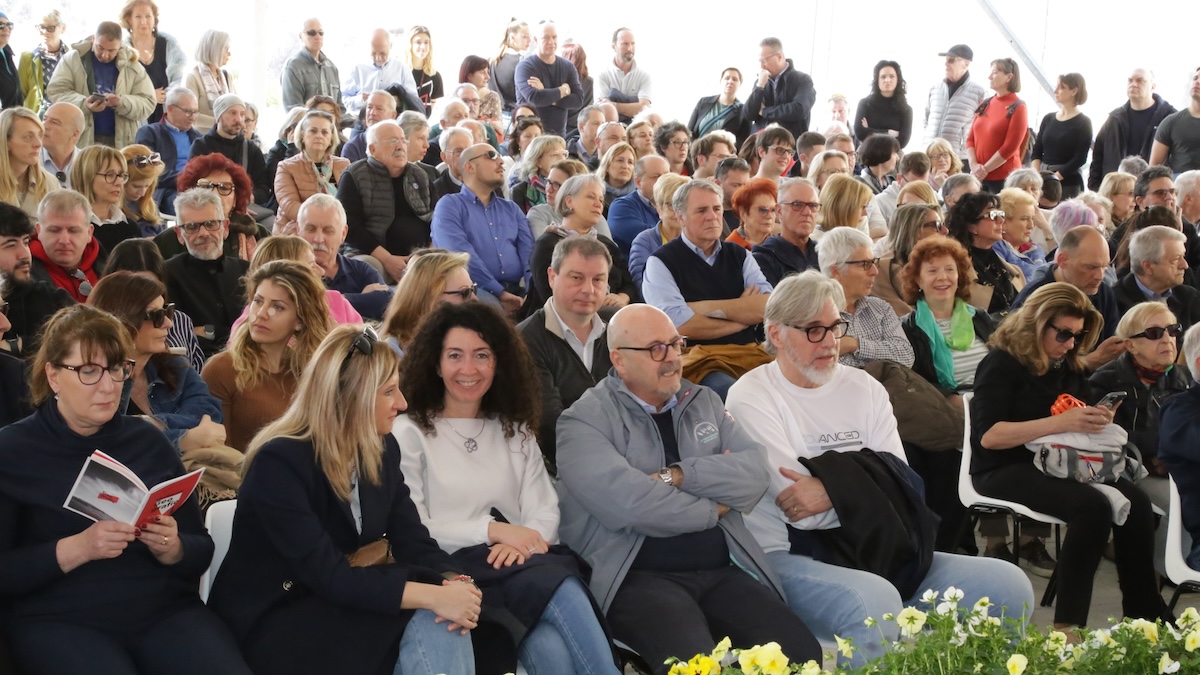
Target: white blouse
[[455, 490]]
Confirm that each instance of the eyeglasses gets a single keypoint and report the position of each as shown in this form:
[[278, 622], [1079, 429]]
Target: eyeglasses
[[658, 352], [466, 293], [1164, 193], [764, 211], [781, 150], [679, 143], [209, 225], [1061, 335], [799, 206], [85, 286], [112, 177], [865, 264], [314, 33], [6, 25], [364, 343], [47, 27], [221, 188], [188, 112], [995, 215], [816, 334], [157, 317], [939, 155], [90, 373], [490, 154], [936, 225], [143, 161], [1156, 332]]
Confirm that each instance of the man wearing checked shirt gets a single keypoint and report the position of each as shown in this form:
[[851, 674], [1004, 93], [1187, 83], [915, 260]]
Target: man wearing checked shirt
[[489, 228]]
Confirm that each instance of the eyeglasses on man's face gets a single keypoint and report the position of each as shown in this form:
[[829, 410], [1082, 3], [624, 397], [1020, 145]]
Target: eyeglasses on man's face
[[817, 333], [208, 225], [658, 351]]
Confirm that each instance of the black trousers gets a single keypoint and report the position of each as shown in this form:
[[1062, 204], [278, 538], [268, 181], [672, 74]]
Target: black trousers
[[192, 641], [1088, 515], [681, 614]]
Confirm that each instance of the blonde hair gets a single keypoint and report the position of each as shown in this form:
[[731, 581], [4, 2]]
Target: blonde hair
[[419, 291], [308, 295], [922, 190], [666, 187], [1139, 315], [427, 66], [89, 162], [334, 409], [1011, 198], [279, 247], [1021, 332], [147, 209], [842, 200], [956, 165], [38, 181], [602, 170]]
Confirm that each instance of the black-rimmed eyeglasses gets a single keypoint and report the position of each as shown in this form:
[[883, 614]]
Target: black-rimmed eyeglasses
[[866, 264], [816, 334], [90, 373], [465, 293], [658, 352], [210, 225], [221, 188]]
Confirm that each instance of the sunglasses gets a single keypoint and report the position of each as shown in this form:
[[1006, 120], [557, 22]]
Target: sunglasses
[[996, 215], [1062, 335], [314, 33], [1156, 332], [364, 343], [47, 27], [85, 286], [143, 161], [157, 317], [466, 293], [490, 154]]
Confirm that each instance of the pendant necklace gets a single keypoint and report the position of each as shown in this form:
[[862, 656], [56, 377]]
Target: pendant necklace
[[468, 441]]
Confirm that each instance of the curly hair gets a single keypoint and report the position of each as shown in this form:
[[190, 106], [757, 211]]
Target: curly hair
[[1020, 334], [206, 165], [969, 210], [514, 396], [928, 249], [662, 137]]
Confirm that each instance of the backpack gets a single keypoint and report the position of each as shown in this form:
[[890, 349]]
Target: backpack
[[1012, 108]]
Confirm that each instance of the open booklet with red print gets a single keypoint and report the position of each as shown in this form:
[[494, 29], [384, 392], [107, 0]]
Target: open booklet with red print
[[107, 490]]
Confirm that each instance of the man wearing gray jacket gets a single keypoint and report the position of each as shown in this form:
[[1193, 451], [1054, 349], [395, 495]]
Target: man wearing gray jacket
[[951, 105], [654, 479], [309, 72]]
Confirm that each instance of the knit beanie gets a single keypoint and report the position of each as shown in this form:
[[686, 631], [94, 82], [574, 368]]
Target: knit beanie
[[225, 102]]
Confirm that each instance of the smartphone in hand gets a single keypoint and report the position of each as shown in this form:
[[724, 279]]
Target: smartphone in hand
[[1111, 399]]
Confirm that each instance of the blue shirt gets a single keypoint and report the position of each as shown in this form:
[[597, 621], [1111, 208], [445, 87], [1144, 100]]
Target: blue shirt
[[105, 121], [183, 145], [629, 216], [351, 278], [1029, 262], [1151, 295], [496, 236], [659, 287], [369, 77]]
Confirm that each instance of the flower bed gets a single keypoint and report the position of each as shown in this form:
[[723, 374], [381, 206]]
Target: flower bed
[[947, 639]]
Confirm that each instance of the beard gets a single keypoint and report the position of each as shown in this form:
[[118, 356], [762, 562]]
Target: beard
[[818, 375], [213, 252]]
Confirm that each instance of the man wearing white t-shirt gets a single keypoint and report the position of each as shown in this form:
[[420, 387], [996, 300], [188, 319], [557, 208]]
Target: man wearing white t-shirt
[[805, 404]]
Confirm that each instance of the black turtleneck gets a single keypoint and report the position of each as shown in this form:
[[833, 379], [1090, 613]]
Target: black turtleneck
[[210, 292], [957, 83]]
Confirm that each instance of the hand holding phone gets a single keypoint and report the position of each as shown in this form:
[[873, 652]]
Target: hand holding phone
[[1111, 399]]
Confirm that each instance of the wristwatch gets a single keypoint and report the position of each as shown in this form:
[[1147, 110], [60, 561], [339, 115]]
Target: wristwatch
[[664, 474]]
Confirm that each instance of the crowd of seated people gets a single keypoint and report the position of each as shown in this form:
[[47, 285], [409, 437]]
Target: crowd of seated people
[[498, 326]]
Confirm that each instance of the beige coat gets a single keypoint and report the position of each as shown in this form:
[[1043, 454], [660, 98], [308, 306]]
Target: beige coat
[[204, 107], [70, 84], [887, 285], [295, 181]]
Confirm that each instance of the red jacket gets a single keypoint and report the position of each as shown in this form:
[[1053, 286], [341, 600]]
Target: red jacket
[[64, 279], [995, 130]]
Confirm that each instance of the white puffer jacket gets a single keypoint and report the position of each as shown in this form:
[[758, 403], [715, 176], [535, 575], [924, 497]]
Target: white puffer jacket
[[950, 118]]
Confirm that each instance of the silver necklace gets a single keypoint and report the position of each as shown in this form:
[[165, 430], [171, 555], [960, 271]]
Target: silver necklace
[[468, 441]]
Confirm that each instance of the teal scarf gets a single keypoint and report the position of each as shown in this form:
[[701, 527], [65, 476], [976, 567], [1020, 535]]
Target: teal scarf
[[962, 334]]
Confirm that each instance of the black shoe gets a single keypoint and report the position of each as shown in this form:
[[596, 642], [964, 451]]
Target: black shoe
[[999, 551], [1036, 560]]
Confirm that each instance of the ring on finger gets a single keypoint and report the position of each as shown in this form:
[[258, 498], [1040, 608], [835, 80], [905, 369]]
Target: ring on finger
[[165, 540]]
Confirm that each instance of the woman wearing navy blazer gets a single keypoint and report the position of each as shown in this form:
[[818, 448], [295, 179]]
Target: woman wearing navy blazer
[[321, 482]]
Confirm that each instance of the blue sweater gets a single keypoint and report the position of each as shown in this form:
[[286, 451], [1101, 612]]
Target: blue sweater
[[629, 216], [549, 102], [1179, 451]]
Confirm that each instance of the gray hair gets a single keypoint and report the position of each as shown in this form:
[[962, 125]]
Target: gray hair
[[439, 113], [1094, 199], [449, 133], [391, 100], [64, 202], [199, 198], [177, 94], [799, 298], [1134, 165], [1149, 245], [838, 245], [290, 122], [588, 110], [465, 86], [537, 147], [588, 247], [572, 187], [325, 202], [600, 131], [211, 48], [1191, 350], [730, 164], [305, 120], [1025, 179], [789, 183], [958, 180], [373, 130], [411, 120], [679, 202], [1187, 183]]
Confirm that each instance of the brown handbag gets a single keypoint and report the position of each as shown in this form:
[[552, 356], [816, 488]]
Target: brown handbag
[[378, 552]]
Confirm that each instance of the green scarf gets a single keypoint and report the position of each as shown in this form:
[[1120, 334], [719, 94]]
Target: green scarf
[[962, 334]]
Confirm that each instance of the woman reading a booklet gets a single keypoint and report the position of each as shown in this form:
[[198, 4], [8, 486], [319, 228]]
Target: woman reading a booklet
[[323, 483], [105, 596]]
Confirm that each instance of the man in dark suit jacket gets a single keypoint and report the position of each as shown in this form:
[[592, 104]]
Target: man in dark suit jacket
[[782, 94], [1157, 264], [204, 283], [172, 138]]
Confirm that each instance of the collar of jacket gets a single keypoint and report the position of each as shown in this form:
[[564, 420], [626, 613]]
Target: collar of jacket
[[620, 391], [125, 54]]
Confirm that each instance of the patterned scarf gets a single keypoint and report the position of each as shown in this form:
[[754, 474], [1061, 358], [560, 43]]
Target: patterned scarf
[[214, 87], [535, 192], [324, 172], [49, 61], [962, 334]]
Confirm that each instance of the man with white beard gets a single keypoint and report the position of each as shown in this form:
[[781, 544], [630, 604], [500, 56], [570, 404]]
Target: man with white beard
[[204, 283], [804, 405], [322, 223]]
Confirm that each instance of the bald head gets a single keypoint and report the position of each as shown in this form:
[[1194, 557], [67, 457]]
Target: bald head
[[381, 46], [631, 321], [633, 334], [1082, 258], [64, 122]]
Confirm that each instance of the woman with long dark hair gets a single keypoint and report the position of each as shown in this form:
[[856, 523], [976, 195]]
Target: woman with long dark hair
[[885, 110], [977, 222]]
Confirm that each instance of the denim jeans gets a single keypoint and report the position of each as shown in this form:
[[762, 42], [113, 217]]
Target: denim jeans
[[834, 600], [568, 638], [718, 382], [428, 648]]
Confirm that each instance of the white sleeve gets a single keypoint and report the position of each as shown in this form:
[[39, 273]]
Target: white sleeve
[[884, 436], [539, 501]]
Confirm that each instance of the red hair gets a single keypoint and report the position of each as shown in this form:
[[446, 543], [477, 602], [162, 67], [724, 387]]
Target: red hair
[[206, 165], [748, 193]]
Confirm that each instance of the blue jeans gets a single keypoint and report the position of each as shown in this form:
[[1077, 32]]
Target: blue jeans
[[718, 382], [568, 638], [834, 600], [428, 648]]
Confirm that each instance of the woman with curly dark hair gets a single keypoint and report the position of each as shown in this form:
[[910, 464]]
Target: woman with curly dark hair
[[977, 222], [477, 477], [672, 141], [885, 110], [232, 184]]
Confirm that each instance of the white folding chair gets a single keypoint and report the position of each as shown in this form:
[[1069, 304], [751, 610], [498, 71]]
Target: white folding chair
[[219, 521], [1186, 579], [978, 504]]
